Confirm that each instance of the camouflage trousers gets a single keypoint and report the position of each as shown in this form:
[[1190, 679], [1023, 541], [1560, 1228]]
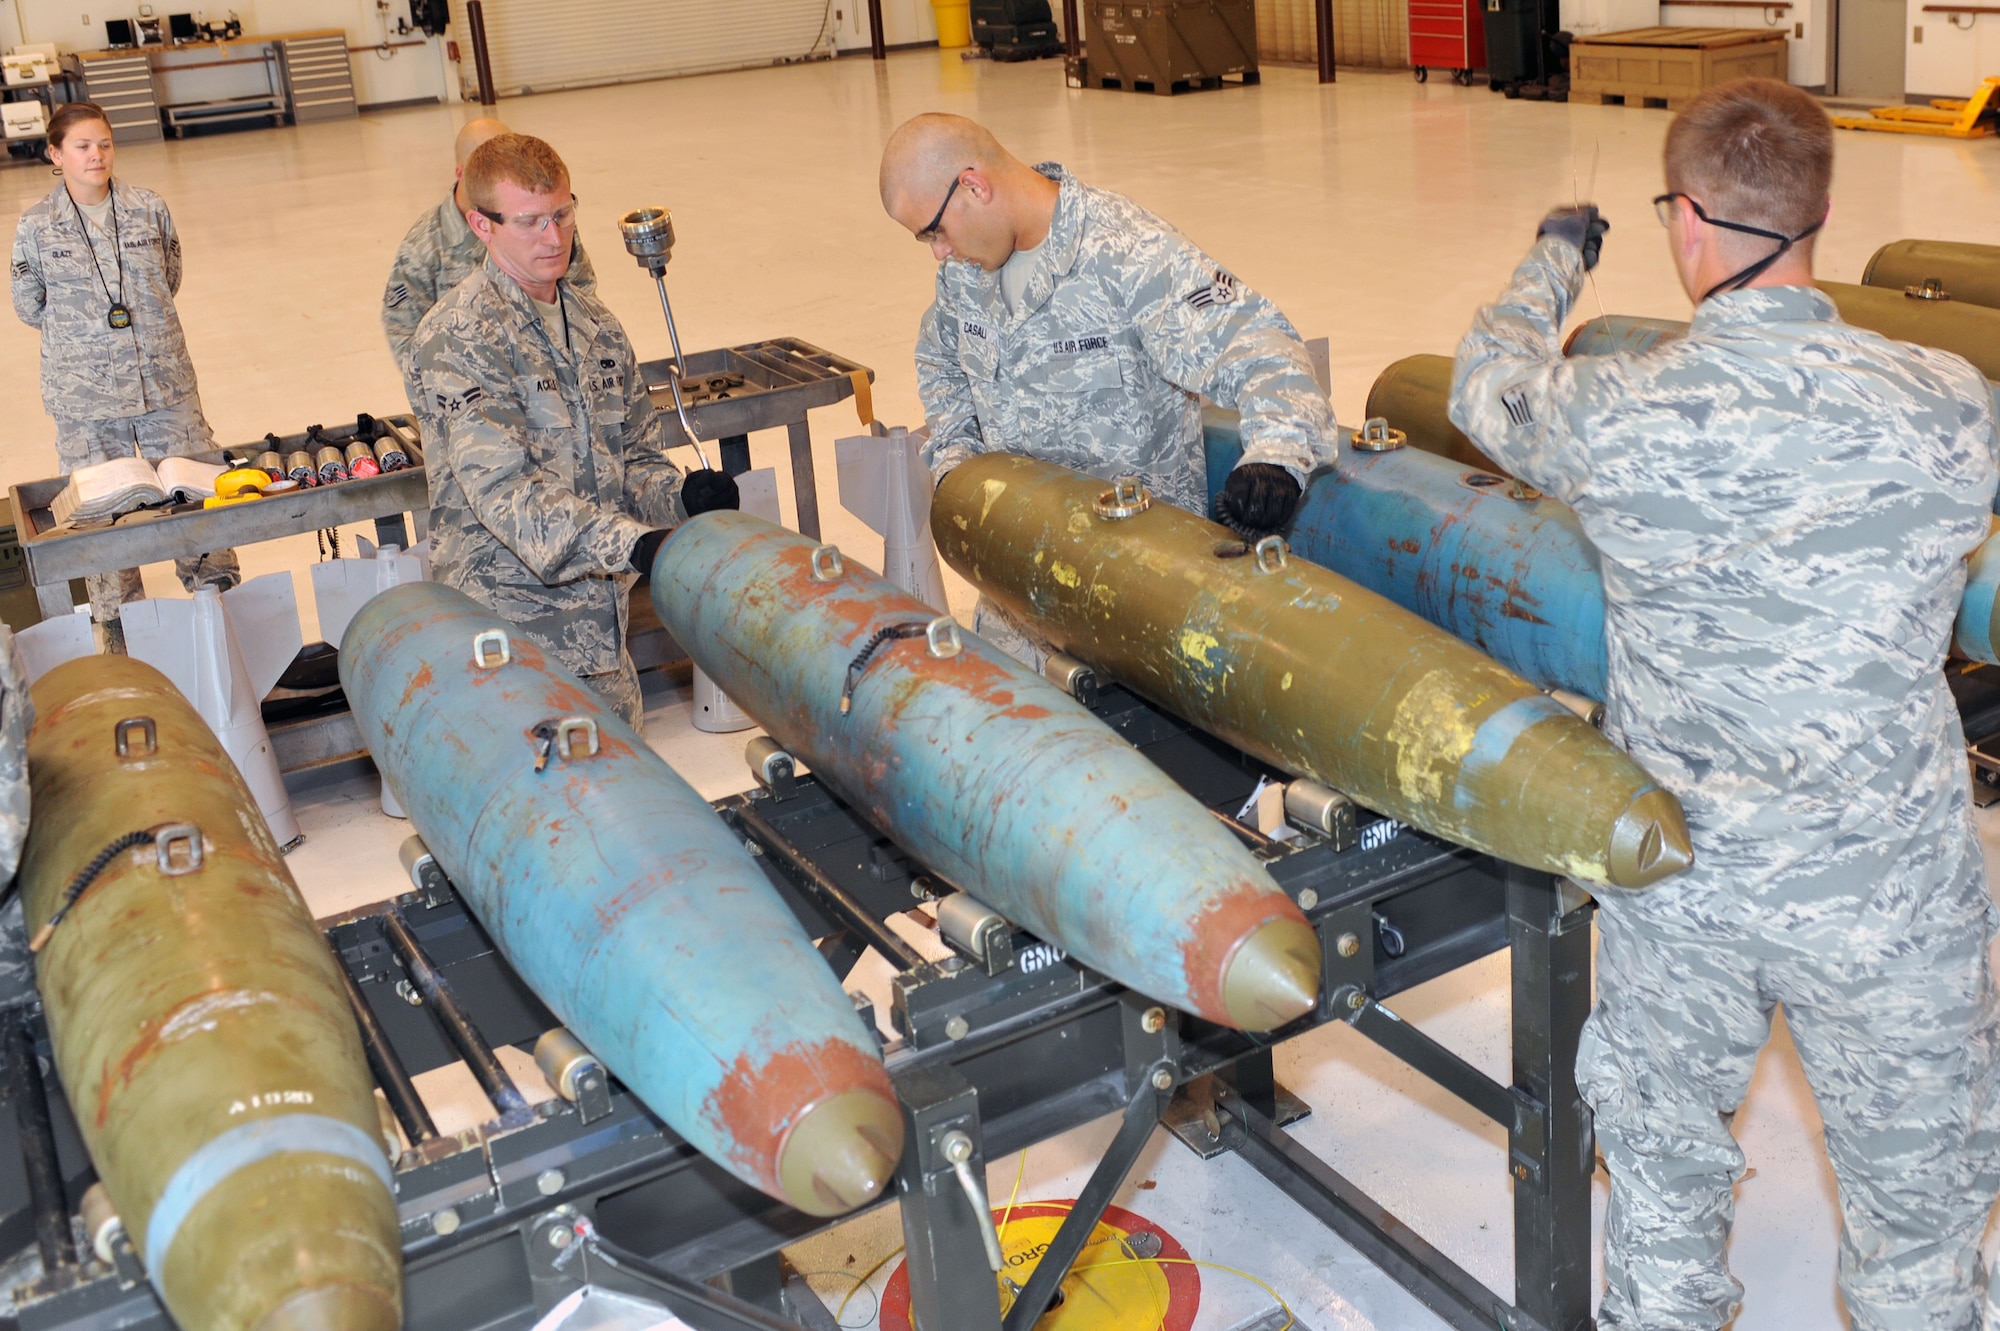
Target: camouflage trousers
[[1900, 1054], [175, 431], [1001, 629], [620, 688]]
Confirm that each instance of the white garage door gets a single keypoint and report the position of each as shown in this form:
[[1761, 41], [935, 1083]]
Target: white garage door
[[538, 46]]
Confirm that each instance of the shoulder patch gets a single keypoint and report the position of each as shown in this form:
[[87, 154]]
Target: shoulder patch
[[451, 404], [22, 268], [398, 295], [1516, 403], [1221, 291]]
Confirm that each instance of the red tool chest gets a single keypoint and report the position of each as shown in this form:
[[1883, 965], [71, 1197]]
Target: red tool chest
[[1447, 34]]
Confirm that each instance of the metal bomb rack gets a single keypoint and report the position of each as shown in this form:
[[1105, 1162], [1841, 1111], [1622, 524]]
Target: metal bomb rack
[[1002, 1045]]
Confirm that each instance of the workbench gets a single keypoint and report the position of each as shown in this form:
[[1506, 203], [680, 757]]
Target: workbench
[[296, 76], [55, 555], [731, 394], [1011, 1048]]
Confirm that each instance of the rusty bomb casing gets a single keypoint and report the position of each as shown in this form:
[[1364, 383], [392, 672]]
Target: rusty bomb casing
[[1494, 564], [622, 899], [1512, 574], [1306, 670], [1959, 270], [987, 773], [1412, 395], [199, 1021]]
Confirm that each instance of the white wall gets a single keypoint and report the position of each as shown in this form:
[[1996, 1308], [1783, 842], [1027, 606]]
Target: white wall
[[1949, 62], [408, 73], [1584, 17], [903, 22], [1805, 24]]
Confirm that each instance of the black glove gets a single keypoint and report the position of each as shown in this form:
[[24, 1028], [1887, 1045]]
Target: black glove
[[1581, 226], [648, 547], [705, 491], [1258, 498]]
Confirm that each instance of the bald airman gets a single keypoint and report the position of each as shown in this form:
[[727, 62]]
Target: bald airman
[[1072, 325]]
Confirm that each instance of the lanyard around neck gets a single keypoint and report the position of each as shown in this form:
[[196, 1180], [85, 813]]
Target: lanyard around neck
[[117, 250]]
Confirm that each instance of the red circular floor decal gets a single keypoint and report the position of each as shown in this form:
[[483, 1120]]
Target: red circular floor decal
[[1105, 1291]]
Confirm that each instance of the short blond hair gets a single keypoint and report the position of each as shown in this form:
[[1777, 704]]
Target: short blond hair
[[1754, 151], [517, 159]]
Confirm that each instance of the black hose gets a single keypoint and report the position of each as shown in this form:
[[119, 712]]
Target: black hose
[[855, 668], [81, 883]]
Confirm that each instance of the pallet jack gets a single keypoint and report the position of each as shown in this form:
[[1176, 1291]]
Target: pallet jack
[[1948, 117]]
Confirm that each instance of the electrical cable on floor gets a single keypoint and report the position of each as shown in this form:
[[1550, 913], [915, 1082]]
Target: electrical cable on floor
[[1285, 1308], [810, 1276], [1291, 1319], [1020, 1171], [862, 1280], [866, 1276]]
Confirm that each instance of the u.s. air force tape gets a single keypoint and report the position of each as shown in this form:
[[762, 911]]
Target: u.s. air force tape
[[202, 1172]]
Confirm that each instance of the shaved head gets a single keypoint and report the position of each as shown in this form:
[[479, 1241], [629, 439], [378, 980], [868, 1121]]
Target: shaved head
[[926, 151], [475, 133], [948, 182]]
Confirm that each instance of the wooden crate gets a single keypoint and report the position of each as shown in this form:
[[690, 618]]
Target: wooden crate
[[1670, 65]]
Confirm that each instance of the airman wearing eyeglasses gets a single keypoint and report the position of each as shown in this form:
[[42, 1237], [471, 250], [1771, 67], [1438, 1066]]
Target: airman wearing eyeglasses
[[1072, 325], [1782, 506], [550, 486], [440, 251]]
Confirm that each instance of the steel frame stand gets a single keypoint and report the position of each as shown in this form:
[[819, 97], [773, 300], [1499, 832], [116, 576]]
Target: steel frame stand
[[943, 1223], [992, 1054], [1549, 936]]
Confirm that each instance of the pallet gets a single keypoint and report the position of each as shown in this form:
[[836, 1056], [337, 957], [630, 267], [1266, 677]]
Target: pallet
[[1621, 99], [1178, 86], [1668, 66]]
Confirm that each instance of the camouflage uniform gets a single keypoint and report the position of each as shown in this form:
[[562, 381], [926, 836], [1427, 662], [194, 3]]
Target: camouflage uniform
[[114, 391], [546, 467], [17, 718], [1125, 326], [1783, 505], [438, 253]]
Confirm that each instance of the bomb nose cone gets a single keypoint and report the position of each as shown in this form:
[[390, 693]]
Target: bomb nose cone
[[333, 1308], [1649, 841], [843, 1153], [1274, 976]]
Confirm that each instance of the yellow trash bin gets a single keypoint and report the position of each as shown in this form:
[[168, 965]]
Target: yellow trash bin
[[954, 22]]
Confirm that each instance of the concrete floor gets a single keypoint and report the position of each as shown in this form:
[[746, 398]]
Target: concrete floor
[[1377, 212]]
